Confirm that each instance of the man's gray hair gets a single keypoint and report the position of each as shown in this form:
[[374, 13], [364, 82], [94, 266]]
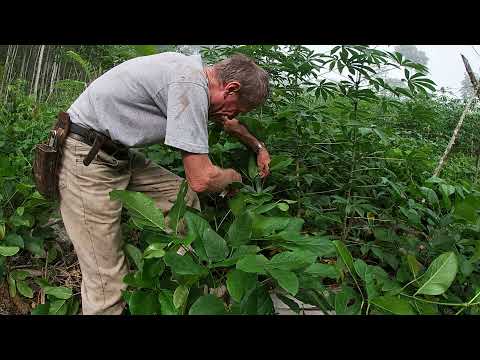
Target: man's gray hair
[[253, 79]]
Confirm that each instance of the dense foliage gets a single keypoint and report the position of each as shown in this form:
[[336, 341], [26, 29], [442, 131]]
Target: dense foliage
[[350, 220]]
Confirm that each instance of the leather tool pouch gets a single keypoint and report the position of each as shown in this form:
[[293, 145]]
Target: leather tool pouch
[[48, 156]]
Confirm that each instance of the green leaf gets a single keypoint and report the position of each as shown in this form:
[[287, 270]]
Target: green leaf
[[58, 307], [155, 250], [24, 289], [134, 254], [430, 195], [207, 305], [141, 207], [283, 206], [240, 230], [41, 309], [286, 279], [319, 245], [239, 283], [60, 292], [209, 245], [252, 167], [345, 255], [439, 275], [165, 298], [467, 208], [414, 265], [13, 239], [393, 305], [19, 274], [184, 265], [180, 296], [264, 226], [280, 162], [292, 260], [323, 270], [253, 264], [144, 302], [347, 302], [9, 250], [237, 203], [178, 209], [257, 301]]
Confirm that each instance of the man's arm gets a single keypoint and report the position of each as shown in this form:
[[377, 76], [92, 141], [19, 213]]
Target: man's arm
[[240, 131], [203, 176]]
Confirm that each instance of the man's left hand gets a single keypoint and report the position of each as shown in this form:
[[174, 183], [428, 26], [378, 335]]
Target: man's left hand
[[263, 163]]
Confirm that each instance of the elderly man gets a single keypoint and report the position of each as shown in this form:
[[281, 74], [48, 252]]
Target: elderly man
[[164, 98]]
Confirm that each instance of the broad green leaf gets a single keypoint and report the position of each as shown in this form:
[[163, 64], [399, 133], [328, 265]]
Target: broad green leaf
[[264, 226], [239, 283], [393, 305], [414, 266], [19, 274], [430, 195], [134, 254], [9, 250], [24, 289], [467, 208], [323, 270], [347, 302], [207, 305], [291, 260], [345, 255], [178, 209], [237, 203], [253, 264], [240, 230], [209, 245], [238, 253], [165, 298], [286, 279], [155, 250], [41, 309], [184, 265], [60, 292], [180, 296], [280, 162], [319, 245], [58, 307], [141, 207], [257, 301], [439, 275], [143, 302], [283, 206]]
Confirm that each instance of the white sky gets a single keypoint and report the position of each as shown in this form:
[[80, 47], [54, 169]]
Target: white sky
[[445, 64]]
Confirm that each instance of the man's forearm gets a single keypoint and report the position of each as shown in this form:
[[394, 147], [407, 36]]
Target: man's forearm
[[240, 131]]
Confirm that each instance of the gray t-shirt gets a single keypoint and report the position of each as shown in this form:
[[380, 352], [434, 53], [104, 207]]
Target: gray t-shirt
[[161, 98]]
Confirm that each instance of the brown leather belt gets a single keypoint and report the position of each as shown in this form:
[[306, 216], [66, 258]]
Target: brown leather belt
[[98, 142]]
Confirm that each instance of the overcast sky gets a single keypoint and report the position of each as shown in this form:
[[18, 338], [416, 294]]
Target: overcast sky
[[445, 64]]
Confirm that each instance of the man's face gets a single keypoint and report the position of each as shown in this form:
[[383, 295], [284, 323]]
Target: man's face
[[224, 101]]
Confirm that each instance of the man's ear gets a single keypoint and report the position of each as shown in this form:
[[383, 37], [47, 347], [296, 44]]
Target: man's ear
[[232, 87]]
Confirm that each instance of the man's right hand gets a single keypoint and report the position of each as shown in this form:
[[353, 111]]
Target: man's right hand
[[203, 176]]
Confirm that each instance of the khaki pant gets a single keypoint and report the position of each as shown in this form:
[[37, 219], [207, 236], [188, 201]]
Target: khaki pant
[[92, 220]]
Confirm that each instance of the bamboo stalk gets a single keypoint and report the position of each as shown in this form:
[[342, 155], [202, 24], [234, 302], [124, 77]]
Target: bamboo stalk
[[459, 125], [39, 68]]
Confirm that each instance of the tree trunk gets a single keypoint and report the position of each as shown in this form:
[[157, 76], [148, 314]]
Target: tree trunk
[[39, 68]]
